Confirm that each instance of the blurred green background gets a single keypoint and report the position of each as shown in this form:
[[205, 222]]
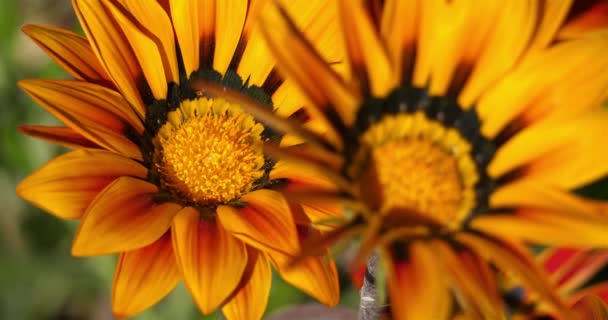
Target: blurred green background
[[38, 277]]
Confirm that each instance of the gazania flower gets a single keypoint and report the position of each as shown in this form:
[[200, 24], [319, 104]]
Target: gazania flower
[[172, 179], [456, 137]]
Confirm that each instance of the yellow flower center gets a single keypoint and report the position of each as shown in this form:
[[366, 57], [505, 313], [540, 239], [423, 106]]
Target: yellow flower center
[[209, 152], [417, 166]]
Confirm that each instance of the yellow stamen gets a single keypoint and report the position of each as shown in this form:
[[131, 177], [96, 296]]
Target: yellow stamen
[[209, 152], [409, 163]]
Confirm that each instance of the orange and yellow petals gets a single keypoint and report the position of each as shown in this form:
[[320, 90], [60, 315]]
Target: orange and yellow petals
[[563, 154], [185, 17], [577, 82], [458, 27], [230, 19], [474, 281], [315, 275], [124, 216], [99, 114], [511, 31], [66, 185], [553, 13], [417, 286], [591, 308], [299, 60], [528, 193], [149, 33], [63, 136], [112, 49], [211, 260], [143, 277], [593, 19], [548, 227], [250, 300], [264, 222], [301, 176], [72, 51], [399, 27], [206, 30], [366, 53], [514, 261]]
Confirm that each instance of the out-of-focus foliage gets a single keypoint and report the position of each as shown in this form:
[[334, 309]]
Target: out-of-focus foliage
[[39, 279]]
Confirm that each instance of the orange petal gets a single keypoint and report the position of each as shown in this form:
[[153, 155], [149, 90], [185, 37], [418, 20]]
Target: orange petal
[[265, 222], [473, 280], [399, 29], [99, 114], [211, 260], [112, 49], [591, 308], [251, 299], [66, 137], [416, 286], [143, 277], [317, 276], [600, 290], [67, 185], [206, 25], [71, 51], [515, 261], [150, 34], [124, 216], [552, 15], [580, 272]]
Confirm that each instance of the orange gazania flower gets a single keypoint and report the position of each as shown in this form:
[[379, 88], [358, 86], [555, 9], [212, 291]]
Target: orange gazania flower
[[455, 138], [172, 179]]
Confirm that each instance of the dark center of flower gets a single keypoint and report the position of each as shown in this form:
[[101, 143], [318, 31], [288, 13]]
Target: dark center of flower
[[420, 155]]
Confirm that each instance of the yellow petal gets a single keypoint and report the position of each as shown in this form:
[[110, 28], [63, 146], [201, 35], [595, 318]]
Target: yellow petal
[[112, 49], [546, 227], [67, 185], [143, 277], [553, 13], [211, 260], [300, 61], [64, 136], [185, 17], [229, 22], [572, 64], [510, 35], [249, 302], [530, 193], [367, 55], [399, 29], [265, 222], [124, 216], [99, 114], [416, 286], [315, 275], [556, 153], [71, 51], [150, 34]]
